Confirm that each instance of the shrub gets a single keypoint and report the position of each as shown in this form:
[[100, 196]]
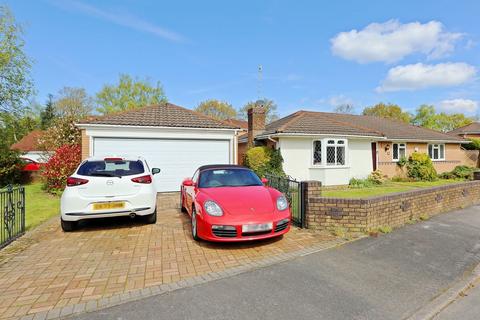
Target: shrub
[[377, 177], [360, 183], [60, 166], [264, 160], [420, 167], [459, 172], [10, 167]]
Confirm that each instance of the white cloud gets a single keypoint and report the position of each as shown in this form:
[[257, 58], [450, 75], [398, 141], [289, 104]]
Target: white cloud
[[339, 100], [122, 19], [391, 41], [459, 105], [420, 76]]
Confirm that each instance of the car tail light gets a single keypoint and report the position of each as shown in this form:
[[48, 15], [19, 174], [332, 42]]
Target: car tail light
[[143, 179], [72, 182]]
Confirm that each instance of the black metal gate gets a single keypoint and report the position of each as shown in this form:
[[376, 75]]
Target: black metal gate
[[12, 218], [293, 190]]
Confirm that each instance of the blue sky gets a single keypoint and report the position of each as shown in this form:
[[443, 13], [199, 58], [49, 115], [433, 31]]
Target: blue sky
[[315, 54]]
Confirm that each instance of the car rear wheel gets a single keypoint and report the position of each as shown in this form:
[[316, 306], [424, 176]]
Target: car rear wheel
[[68, 226], [194, 226], [151, 218]]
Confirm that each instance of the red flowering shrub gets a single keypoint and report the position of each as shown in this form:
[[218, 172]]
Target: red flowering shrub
[[60, 166]]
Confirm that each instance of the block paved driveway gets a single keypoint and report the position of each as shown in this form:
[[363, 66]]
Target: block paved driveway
[[47, 270]]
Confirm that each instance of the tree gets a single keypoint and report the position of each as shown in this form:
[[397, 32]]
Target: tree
[[344, 108], [13, 128], [129, 94], [269, 105], [73, 103], [48, 114], [426, 116], [16, 85], [220, 110], [391, 111]]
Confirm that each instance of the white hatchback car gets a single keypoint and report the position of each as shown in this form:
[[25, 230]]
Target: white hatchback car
[[109, 187]]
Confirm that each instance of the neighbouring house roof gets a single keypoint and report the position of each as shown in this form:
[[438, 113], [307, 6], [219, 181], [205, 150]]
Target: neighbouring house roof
[[242, 124], [162, 115], [29, 142], [471, 128], [324, 123]]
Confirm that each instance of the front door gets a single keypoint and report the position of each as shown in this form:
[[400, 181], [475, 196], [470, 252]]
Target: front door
[[374, 155]]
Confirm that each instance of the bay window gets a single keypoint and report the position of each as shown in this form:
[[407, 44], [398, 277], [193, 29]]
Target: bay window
[[436, 151], [329, 152]]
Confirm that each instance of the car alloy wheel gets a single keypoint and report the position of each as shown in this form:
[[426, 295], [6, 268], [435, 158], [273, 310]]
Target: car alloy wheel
[[194, 225]]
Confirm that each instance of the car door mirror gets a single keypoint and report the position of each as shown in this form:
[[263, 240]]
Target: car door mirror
[[188, 183], [265, 181], [155, 171]]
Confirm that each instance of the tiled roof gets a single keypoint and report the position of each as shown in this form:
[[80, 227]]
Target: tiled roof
[[473, 127], [162, 115], [309, 122], [28, 142], [238, 123]]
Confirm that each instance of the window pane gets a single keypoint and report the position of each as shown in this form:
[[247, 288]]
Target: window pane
[[317, 152], [402, 152], [435, 153], [395, 151], [331, 142], [442, 151], [430, 153], [341, 156], [340, 142], [331, 155]]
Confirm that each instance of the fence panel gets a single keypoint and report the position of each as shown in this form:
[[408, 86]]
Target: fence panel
[[292, 189], [12, 217]]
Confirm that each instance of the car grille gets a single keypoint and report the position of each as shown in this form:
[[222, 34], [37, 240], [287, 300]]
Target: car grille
[[257, 233], [281, 226], [225, 233]]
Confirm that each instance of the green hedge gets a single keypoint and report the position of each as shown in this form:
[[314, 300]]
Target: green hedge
[[264, 160]]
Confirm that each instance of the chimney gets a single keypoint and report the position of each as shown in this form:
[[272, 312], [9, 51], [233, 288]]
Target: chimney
[[256, 123]]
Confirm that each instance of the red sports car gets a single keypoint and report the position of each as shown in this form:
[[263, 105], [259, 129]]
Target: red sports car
[[230, 203]]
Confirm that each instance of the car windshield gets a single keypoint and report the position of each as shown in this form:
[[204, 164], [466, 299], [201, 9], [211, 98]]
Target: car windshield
[[228, 178], [111, 168]]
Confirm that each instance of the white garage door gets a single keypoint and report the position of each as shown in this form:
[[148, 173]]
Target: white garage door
[[177, 159]]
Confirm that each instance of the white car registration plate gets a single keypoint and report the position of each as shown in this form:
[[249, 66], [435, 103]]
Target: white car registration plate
[[257, 227]]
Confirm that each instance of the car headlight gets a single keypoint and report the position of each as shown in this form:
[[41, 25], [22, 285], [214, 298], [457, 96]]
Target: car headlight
[[282, 203], [213, 208]]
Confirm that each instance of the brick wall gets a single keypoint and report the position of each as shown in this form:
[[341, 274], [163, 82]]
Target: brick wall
[[395, 210], [454, 156], [85, 145]]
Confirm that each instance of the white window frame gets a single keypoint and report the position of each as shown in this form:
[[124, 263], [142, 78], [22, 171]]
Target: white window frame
[[436, 146], [400, 145], [324, 142]]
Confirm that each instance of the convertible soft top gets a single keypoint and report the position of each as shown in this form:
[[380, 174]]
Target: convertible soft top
[[221, 166]]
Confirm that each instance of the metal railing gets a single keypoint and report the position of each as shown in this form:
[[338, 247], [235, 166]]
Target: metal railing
[[293, 191], [12, 215]]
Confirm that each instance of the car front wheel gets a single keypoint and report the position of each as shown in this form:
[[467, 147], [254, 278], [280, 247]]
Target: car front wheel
[[194, 226], [68, 226]]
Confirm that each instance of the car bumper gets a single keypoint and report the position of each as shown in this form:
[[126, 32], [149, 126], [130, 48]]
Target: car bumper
[[206, 232], [76, 216], [75, 207]]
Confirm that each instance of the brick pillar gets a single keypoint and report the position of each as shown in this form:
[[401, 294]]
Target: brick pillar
[[310, 189], [256, 123], [85, 145]]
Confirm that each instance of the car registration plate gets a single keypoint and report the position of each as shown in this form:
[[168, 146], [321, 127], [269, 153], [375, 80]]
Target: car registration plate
[[257, 227], [109, 205]]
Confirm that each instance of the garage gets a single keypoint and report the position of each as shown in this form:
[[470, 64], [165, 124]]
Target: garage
[[176, 158], [175, 139]]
